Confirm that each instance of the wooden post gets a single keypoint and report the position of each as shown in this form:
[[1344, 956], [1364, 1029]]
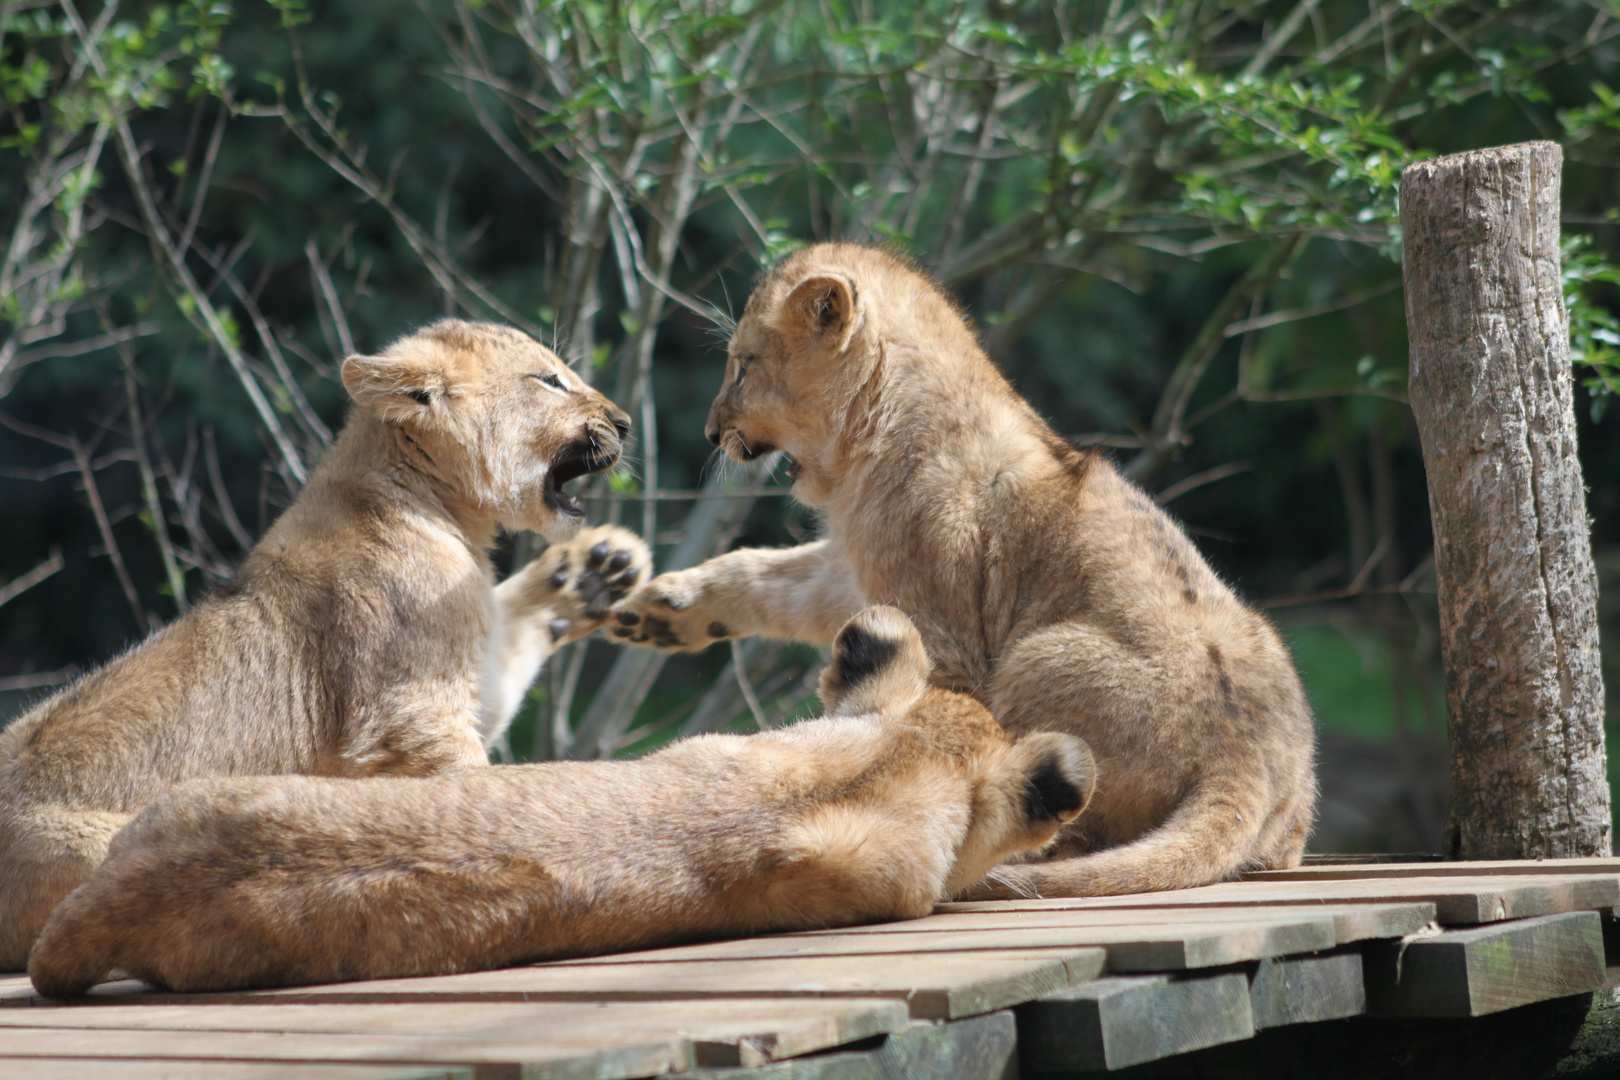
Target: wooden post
[[1492, 392]]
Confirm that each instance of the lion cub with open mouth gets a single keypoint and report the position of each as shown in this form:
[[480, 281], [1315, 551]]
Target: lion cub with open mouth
[[902, 794], [1040, 578], [363, 635]]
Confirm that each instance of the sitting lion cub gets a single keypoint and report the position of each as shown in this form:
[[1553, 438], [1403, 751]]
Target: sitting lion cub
[[1039, 577], [362, 635], [901, 795]]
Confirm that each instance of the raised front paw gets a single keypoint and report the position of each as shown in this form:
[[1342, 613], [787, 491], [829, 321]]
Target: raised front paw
[[580, 579], [667, 613]]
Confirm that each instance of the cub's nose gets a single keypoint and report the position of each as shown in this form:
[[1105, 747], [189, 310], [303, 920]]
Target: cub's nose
[[713, 434]]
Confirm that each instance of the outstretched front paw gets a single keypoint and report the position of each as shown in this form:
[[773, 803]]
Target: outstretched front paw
[[667, 613], [579, 580]]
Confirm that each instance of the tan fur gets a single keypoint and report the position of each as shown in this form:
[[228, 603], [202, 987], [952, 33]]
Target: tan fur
[[1041, 580], [362, 635], [902, 794]]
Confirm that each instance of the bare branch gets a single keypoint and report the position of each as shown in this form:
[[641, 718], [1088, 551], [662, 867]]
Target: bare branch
[[19, 585], [38, 680], [1198, 480], [740, 670]]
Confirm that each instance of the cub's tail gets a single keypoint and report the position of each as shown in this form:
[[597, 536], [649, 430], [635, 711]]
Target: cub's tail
[[1210, 837]]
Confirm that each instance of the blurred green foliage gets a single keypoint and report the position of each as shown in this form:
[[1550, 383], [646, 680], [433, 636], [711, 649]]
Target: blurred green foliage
[[1176, 222]]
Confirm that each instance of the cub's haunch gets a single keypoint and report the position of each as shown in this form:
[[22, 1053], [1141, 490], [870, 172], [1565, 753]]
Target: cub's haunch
[[1039, 577], [363, 635], [901, 795]]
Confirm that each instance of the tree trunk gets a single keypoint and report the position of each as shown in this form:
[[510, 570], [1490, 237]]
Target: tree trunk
[[1493, 395]]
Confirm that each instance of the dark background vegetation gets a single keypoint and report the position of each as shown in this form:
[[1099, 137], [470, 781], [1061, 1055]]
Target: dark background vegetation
[[1175, 222]]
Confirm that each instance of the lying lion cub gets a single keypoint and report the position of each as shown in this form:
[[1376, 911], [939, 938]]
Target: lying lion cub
[[1042, 580], [362, 635], [900, 795]]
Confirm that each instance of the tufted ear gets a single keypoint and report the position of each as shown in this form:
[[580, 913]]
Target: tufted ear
[[824, 308], [400, 384]]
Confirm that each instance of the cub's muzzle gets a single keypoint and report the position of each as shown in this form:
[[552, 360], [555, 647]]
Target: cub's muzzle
[[597, 452]]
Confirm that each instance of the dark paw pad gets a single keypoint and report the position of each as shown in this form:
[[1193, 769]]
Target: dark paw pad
[[618, 562], [661, 633], [1051, 796], [598, 554], [558, 628], [718, 629], [559, 578], [629, 618]]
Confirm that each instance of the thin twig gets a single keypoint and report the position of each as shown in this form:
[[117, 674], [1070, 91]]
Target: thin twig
[[222, 498], [1198, 480], [87, 477], [149, 491], [37, 681], [740, 670], [19, 585], [1277, 318]]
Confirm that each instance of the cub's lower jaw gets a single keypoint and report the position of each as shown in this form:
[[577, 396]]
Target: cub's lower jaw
[[573, 461]]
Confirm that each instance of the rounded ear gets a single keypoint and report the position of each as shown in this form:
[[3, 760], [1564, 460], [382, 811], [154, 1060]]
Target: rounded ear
[[1060, 775], [822, 308], [878, 665], [395, 386]]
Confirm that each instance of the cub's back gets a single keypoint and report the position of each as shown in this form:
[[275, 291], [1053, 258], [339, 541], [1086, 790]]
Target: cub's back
[[154, 716]]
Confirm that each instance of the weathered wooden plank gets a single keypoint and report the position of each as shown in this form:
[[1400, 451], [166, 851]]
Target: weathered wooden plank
[[747, 1031], [1132, 944], [96, 1068], [1205, 947], [977, 1048], [1305, 989], [1351, 922], [558, 1055], [1458, 901], [1470, 868], [936, 986], [1126, 1020], [1485, 969]]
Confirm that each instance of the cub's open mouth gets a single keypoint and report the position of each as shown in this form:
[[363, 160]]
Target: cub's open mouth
[[573, 461], [744, 452]]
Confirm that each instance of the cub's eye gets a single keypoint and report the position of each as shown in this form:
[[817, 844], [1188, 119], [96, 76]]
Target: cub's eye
[[742, 368], [551, 381]]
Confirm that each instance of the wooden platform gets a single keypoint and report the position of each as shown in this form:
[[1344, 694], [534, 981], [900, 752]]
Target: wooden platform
[[974, 990]]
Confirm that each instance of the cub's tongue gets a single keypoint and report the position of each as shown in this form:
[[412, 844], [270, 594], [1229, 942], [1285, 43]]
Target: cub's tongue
[[565, 502], [571, 465]]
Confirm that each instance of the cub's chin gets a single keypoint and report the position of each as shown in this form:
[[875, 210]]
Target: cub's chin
[[540, 510], [556, 527]]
